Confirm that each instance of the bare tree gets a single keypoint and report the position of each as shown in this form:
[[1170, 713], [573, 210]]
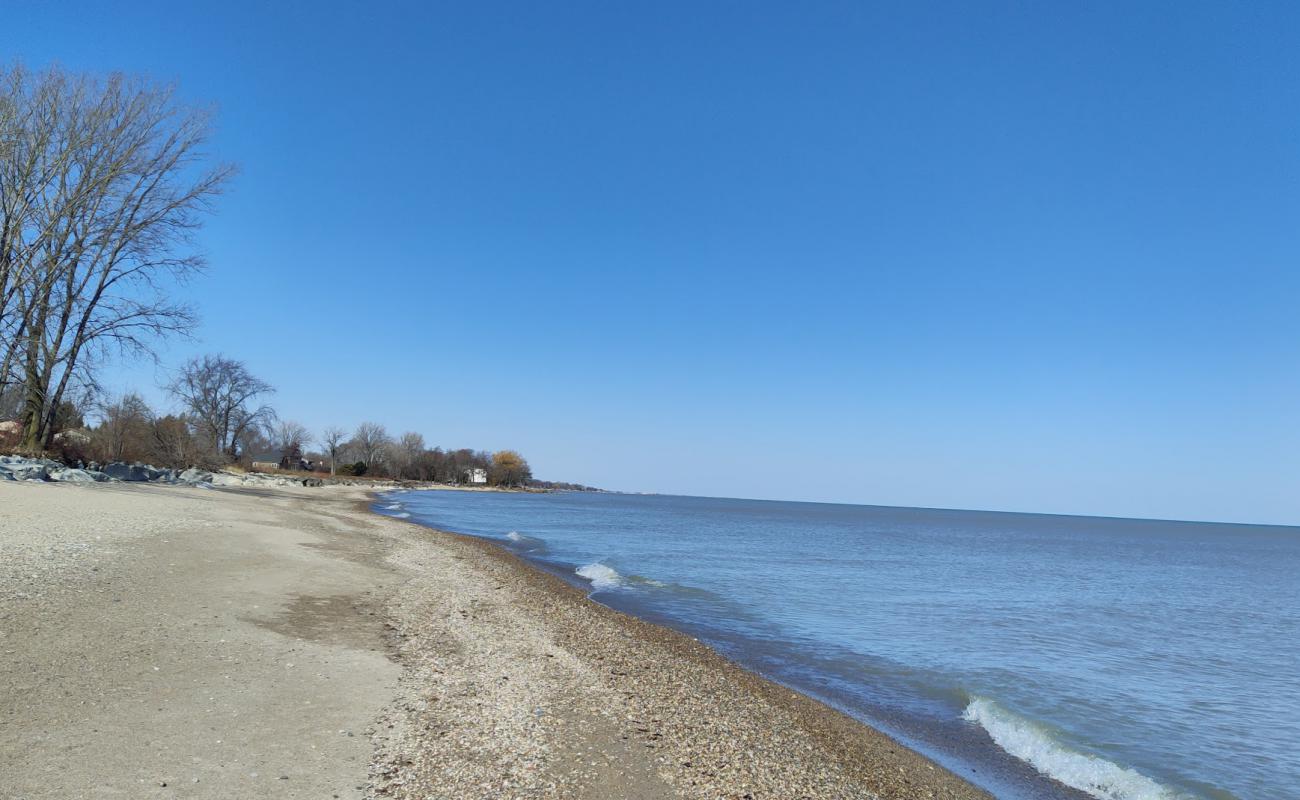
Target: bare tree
[[101, 190], [402, 454], [173, 442], [369, 442], [410, 446], [291, 439], [123, 427], [30, 108], [333, 439], [394, 458], [222, 397]]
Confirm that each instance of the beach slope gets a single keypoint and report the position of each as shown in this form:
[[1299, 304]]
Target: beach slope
[[171, 642]]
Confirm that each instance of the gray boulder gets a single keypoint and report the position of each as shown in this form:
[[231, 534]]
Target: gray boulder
[[12, 460], [76, 476], [262, 479], [120, 471], [23, 470], [74, 437], [193, 476]]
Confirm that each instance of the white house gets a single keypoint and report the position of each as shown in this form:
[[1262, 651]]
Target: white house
[[476, 475]]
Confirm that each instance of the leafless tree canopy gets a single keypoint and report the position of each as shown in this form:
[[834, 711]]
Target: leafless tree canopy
[[291, 439], [129, 430], [102, 186], [411, 443], [223, 399], [369, 443], [403, 455], [332, 440], [124, 426]]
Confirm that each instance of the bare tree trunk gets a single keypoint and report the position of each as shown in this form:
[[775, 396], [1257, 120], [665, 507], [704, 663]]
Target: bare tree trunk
[[34, 402]]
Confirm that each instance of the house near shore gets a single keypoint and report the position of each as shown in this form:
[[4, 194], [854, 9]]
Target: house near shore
[[265, 461], [476, 476], [275, 459]]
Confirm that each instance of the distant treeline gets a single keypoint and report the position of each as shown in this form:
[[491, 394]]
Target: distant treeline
[[224, 420]]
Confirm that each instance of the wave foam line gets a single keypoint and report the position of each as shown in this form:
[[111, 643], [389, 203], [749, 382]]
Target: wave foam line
[[1035, 746]]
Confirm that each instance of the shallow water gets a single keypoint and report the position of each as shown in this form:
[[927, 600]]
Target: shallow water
[[1130, 659]]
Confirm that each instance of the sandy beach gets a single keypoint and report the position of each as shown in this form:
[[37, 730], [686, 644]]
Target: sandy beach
[[177, 642]]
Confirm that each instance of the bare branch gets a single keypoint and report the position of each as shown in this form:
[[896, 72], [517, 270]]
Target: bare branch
[[102, 187]]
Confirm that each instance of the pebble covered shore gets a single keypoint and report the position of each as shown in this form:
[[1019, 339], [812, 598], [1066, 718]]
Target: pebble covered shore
[[517, 685]]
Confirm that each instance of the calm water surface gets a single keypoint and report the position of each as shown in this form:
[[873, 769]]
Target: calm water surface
[[1128, 659]]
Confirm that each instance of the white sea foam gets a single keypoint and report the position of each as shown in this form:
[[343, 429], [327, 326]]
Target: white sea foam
[[393, 507], [401, 515], [515, 536], [1034, 745], [601, 576]]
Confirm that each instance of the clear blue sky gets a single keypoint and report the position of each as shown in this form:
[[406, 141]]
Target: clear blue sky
[[1023, 256]]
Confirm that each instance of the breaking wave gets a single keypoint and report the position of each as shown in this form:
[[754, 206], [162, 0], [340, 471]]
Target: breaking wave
[[1035, 746], [530, 543], [601, 576]]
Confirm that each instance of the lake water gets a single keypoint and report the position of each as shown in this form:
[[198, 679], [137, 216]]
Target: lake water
[[1132, 659]]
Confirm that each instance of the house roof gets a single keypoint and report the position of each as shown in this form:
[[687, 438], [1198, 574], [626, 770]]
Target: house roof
[[273, 457]]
